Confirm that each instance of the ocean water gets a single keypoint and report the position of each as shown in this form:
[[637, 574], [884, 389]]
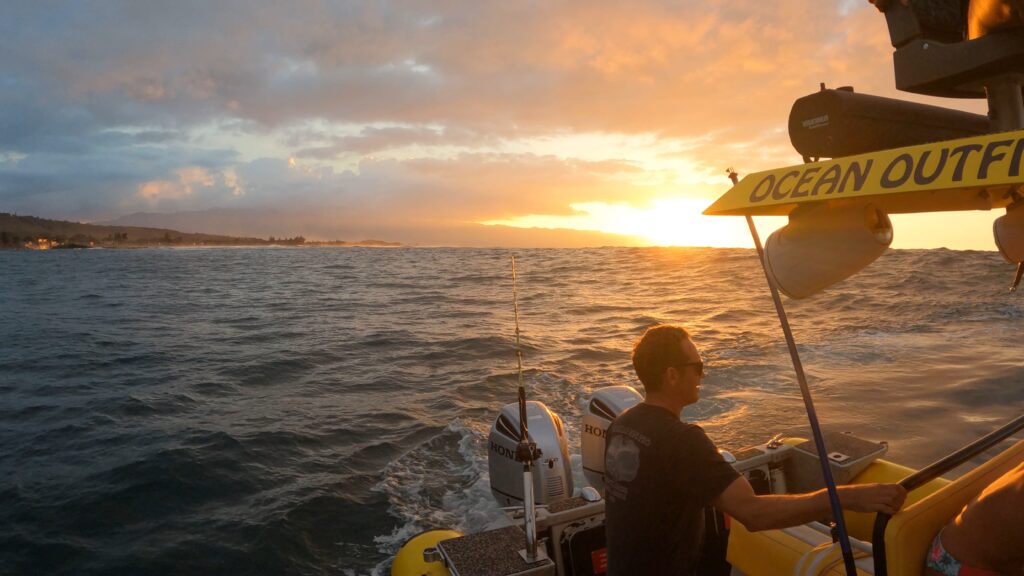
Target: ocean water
[[304, 411]]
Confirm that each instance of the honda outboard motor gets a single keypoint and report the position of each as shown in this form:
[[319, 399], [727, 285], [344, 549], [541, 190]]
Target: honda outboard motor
[[604, 406], [552, 474]]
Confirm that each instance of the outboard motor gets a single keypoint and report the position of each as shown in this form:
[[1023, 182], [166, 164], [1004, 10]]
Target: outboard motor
[[604, 406], [552, 474]]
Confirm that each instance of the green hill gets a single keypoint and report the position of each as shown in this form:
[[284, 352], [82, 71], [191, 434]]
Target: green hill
[[16, 231]]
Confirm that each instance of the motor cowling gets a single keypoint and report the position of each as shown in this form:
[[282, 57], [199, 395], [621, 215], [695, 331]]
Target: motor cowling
[[605, 405], [552, 473]]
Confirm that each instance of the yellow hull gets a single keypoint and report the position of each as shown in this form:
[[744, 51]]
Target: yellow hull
[[808, 550], [907, 538], [410, 562]]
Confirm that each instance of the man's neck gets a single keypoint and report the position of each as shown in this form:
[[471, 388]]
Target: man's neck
[[660, 401]]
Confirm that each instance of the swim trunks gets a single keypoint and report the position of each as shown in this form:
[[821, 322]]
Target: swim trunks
[[943, 562]]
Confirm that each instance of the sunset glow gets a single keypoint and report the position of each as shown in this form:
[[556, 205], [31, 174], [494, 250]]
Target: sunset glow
[[432, 123], [664, 222]]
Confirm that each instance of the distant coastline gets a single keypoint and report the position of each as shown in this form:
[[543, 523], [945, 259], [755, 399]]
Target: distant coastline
[[31, 232]]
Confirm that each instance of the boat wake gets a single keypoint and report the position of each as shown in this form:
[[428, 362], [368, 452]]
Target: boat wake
[[442, 483]]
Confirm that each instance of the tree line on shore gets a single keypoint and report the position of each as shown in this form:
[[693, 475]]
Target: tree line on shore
[[33, 232], [14, 240]]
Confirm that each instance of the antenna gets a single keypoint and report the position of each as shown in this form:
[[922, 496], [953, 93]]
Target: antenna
[[527, 451]]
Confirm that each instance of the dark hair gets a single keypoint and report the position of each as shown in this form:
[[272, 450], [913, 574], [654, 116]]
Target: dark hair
[[656, 351]]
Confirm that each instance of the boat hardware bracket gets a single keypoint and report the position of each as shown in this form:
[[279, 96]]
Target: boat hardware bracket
[[432, 554], [1016, 278], [538, 555], [528, 452]]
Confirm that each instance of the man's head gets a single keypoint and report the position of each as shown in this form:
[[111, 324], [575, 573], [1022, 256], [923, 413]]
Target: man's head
[[666, 361]]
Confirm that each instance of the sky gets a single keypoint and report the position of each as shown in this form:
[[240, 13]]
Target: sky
[[453, 122]]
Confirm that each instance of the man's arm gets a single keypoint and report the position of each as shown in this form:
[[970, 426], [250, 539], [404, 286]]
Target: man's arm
[[782, 510]]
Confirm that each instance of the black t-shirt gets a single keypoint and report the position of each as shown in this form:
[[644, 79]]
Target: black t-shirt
[[660, 473]]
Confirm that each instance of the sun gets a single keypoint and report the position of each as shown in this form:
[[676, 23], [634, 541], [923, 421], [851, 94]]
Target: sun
[[663, 222]]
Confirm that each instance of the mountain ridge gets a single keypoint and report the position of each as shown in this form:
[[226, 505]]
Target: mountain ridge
[[23, 230]]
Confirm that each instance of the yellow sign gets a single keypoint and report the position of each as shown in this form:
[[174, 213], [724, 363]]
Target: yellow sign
[[971, 173]]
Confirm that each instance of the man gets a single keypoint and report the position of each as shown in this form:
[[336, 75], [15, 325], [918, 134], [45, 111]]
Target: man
[[660, 473], [987, 537]]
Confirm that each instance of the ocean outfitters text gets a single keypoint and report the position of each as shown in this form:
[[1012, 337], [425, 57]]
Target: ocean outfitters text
[[945, 164], [977, 163]]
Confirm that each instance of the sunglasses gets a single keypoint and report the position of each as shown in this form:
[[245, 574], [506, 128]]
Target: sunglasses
[[699, 364]]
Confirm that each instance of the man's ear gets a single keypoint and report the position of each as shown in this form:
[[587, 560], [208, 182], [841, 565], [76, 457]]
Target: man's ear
[[670, 373]]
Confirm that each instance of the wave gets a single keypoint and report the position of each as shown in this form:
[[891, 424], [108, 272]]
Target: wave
[[303, 411]]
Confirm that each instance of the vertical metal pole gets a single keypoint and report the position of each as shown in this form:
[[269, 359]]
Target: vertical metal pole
[[812, 416], [1006, 110], [1005, 104], [530, 516]]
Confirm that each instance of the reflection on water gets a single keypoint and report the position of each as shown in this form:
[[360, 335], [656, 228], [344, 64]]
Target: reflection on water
[[301, 411]]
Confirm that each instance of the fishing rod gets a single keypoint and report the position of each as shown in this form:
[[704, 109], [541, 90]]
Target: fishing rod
[[526, 451], [839, 523]]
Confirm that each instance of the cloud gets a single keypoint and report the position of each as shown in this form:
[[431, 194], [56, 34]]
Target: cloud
[[371, 139], [434, 111], [161, 189], [187, 182], [500, 68], [233, 182]]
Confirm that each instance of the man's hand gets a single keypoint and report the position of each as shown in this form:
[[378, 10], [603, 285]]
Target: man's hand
[[886, 498]]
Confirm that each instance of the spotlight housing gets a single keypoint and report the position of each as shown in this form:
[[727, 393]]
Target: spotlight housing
[[824, 244], [1008, 230]]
